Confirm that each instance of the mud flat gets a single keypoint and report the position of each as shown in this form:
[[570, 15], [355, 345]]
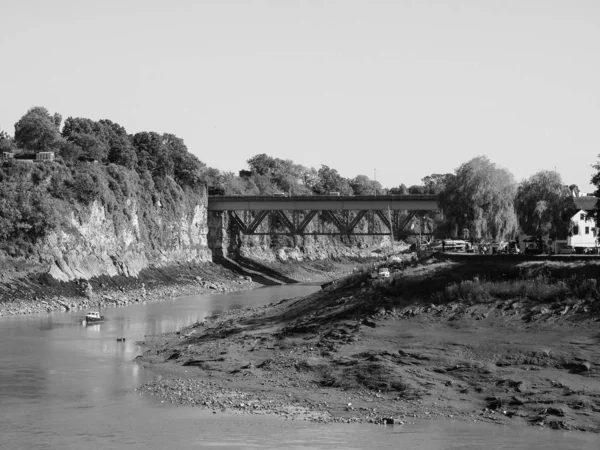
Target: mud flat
[[504, 341]]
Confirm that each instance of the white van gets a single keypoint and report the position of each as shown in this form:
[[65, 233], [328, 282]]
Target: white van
[[384, 272]]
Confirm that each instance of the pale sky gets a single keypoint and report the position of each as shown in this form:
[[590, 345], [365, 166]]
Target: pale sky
[[406, 88]]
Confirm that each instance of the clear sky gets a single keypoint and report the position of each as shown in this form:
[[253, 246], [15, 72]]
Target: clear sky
[[403, 88]]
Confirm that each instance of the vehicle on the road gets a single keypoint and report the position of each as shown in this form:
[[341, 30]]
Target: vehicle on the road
[[509, 248], [384, 272], [567, 250], [532, 248]]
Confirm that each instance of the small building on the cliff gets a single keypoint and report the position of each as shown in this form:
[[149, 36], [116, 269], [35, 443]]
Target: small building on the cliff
[[44, 156]]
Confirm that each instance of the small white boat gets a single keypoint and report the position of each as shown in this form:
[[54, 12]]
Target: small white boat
[[93, 317]]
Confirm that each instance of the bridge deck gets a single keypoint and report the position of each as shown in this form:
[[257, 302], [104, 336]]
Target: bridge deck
[[412, 202]]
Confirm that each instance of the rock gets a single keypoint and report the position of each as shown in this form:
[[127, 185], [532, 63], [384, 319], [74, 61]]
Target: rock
[[517, 401], [369, 323], [554, 412], [494, 403]]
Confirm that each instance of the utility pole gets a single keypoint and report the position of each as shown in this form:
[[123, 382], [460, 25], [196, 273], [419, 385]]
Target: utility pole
[[391, 228], [375, 181]]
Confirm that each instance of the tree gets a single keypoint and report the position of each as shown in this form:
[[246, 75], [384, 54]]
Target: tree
[[152, 154], [37, 130], [480, 198], [400, 190], [187, 169], [331, 181], [544, 205], [436, 183], [7, 143], [120, 149], [363, 185], [262, 164], [596, 182]]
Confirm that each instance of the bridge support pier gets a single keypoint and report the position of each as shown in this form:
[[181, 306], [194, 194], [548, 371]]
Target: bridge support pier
[[218, 238]]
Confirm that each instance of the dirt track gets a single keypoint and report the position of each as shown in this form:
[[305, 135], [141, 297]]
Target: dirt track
[[355, 352]]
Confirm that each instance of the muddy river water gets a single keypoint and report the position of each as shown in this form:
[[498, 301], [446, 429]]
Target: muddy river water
[[68, 386]]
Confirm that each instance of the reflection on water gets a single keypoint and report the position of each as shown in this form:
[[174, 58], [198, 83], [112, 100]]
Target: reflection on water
[[64, 385]]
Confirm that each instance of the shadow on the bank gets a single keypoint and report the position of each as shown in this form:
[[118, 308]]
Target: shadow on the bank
[[258, 272]]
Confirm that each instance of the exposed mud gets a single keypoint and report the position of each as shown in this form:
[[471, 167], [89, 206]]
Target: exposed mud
[[382, 351]]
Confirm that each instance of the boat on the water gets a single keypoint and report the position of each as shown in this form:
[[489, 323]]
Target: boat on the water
[[93, 317]]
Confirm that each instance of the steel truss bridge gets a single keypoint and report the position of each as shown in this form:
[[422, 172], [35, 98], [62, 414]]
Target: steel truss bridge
[[297, 212]]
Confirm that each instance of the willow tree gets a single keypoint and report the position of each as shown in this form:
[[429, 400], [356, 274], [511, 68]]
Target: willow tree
[[480, 199], [545, 205]]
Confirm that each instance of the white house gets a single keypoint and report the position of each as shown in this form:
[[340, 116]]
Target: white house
[[584, 231]]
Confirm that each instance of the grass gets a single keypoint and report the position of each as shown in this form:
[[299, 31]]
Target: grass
[[541, 289], [488, 280]]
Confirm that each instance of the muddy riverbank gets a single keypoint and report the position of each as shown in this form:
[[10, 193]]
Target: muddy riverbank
[[477, 339], [36, 292]]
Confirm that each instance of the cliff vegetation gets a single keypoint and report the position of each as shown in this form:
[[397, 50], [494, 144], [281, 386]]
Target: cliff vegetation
[[109, 203]]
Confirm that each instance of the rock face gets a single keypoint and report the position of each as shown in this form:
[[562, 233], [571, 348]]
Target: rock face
[[93, 243]]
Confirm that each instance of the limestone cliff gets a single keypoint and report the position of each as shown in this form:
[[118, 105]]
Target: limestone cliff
[[95, 245], [92, 220]]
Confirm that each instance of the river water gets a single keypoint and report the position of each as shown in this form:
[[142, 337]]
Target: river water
[[64, 385]]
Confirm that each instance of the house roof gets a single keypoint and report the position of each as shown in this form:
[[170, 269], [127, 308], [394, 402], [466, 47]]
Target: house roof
[[587, 203]]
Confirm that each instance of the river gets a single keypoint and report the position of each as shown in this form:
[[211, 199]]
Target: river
[[64, 385]]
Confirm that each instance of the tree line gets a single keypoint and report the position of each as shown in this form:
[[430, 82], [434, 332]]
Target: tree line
[[480, 200]]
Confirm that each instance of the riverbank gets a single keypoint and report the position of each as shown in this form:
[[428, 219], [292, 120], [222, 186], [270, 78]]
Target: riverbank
[[476, 339], [37, 292]]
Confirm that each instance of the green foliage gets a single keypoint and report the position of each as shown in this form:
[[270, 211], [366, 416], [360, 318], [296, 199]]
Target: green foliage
[[596, 182], [7, 143], [541, 288], [187, 169], [331, 181], [28, 211], [480, 198], [89, 184], [363, 185], [400, 190], [37, 130], [544, 205], [148, 174]]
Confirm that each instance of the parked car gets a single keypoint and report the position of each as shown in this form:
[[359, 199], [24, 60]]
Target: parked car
[[532, 249], [384, 272], [567, 250]]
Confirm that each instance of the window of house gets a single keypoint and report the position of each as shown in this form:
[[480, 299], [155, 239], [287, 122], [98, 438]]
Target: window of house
[[582, 216], [575, 230], [587, 230]]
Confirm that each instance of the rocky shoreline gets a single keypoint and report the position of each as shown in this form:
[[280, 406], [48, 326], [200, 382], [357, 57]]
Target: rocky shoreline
[[32, 296]]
